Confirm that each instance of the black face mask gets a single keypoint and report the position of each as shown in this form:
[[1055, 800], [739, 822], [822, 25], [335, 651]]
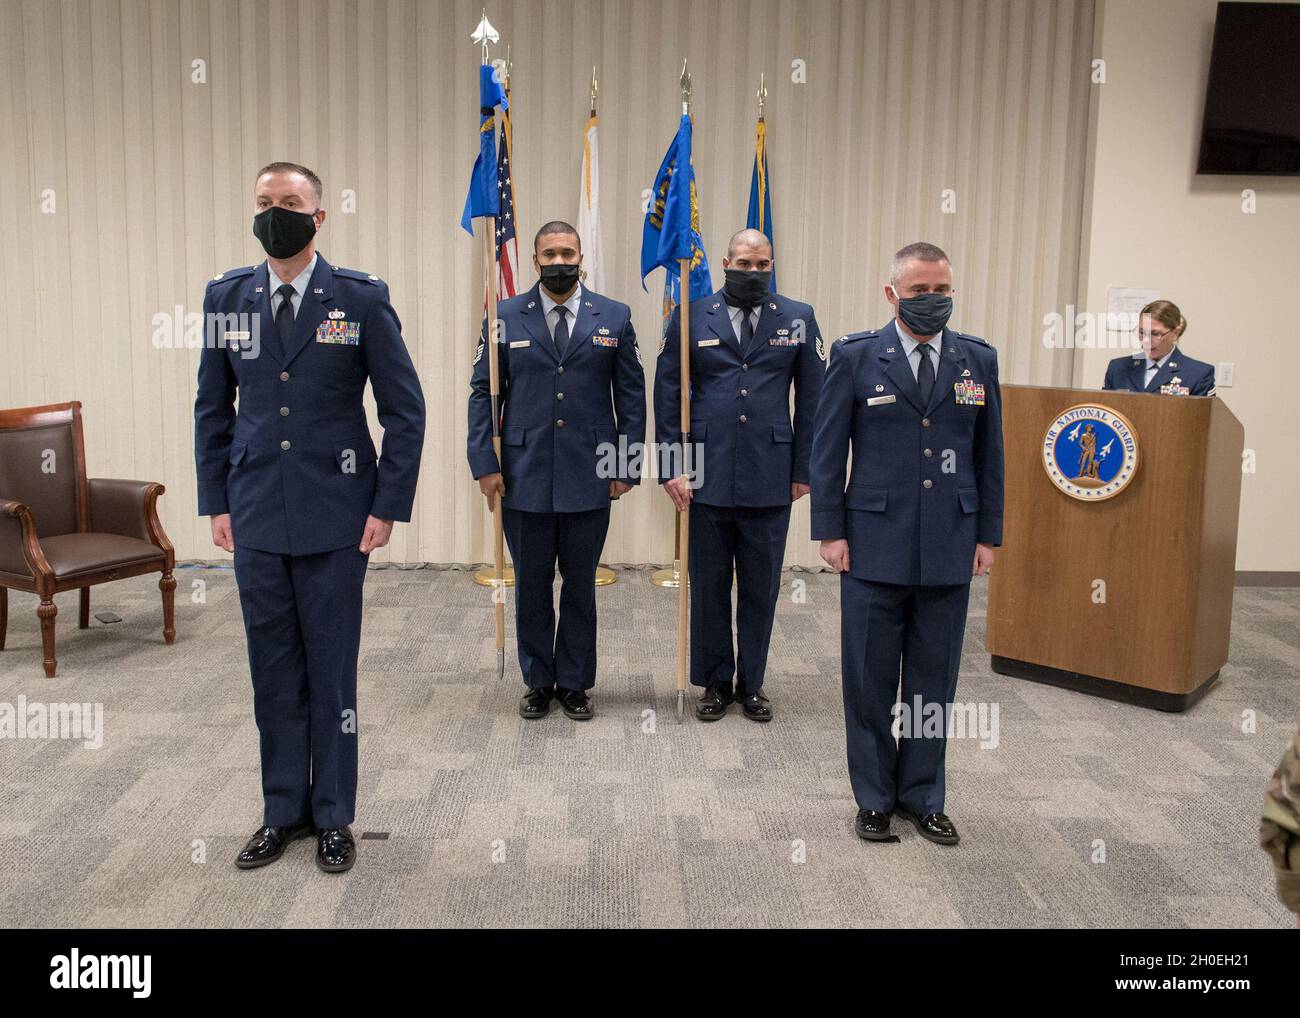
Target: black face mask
[[746, 289], [284, 232], [925, 314], [559, 278]]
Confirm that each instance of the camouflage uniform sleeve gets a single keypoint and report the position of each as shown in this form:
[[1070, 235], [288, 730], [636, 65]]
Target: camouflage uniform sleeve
[[1279, 828]]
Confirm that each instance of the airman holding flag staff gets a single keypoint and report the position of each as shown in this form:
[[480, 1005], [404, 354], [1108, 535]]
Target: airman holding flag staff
[[749, 346], [572, 427]]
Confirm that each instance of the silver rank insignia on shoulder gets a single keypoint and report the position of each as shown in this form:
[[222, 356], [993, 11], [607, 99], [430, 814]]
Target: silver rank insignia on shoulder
[[338, 314], [219, 275], [879, 387], [842, 338], [821, 348], [373, 277], [478, 354]]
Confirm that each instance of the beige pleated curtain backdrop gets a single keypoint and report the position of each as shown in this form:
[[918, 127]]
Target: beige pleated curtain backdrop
[[125, 184]]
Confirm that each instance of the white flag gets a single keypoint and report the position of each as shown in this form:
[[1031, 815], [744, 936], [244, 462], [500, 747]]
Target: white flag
[[593, 256]]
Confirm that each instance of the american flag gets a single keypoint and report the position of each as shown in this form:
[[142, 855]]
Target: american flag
[[506, 219]]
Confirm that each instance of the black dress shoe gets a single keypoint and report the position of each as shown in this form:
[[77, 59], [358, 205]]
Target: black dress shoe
[[755, 706], [335, 849], [872, 825], [712, 706], [267, 845], [575, 704], [933, 827], [536, 703]]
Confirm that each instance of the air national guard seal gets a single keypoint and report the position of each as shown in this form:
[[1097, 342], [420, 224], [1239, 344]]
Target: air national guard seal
[[1090, 452]]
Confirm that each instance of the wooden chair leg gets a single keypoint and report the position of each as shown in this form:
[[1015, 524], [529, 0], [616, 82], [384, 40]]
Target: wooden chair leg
[[168, 587], [83, 619], [46, 612], [4, 615]]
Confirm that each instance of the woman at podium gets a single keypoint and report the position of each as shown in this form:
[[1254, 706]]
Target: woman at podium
[[1159, 366]]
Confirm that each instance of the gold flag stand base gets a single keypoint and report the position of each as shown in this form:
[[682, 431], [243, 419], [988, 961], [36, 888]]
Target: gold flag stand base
[[669, 577], [484, 577]]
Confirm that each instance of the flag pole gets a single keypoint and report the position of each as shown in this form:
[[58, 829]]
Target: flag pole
[[483, 34], [494, 387], [684, 421], [604, 575]]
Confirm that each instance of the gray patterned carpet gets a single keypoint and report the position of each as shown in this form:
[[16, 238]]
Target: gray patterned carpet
[[1087, 813]]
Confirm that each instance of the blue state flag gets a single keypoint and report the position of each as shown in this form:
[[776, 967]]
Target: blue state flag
[[483, 198], [672, 225], [760, 199]]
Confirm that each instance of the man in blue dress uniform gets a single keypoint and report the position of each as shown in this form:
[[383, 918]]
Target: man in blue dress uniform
[[295, 489], [748, 347], [919, 407], [572, 437]]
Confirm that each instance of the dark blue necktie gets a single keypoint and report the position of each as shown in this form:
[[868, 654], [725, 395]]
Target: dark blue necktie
[[284, 314], [746, 329], [925, 374], [561, 329]]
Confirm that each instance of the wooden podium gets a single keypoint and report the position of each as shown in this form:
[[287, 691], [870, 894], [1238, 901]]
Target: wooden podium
[[1129, 597]]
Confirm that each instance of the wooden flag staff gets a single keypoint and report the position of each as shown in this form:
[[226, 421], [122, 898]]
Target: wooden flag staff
[[684, 517], [484, 34]]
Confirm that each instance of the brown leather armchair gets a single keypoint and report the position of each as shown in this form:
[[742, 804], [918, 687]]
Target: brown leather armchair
[[61, 531]]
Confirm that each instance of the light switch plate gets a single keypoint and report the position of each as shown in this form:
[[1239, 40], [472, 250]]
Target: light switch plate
[[1223, 374]]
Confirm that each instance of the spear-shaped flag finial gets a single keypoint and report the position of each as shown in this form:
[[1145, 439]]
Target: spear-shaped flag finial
[[485, 34]]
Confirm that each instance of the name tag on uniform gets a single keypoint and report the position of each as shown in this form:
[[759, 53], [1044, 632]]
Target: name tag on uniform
[[969, 393], [877, 400], [238, 337], [339, 331], [708, 342], [519, 344]]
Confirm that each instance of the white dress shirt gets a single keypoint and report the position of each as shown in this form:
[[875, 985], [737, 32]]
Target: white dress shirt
[[735, 314], [553, 317], [299, 284], [912, 349], [1154, 366]]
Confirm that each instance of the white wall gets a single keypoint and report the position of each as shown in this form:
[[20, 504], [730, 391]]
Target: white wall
[[1155, 223]]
